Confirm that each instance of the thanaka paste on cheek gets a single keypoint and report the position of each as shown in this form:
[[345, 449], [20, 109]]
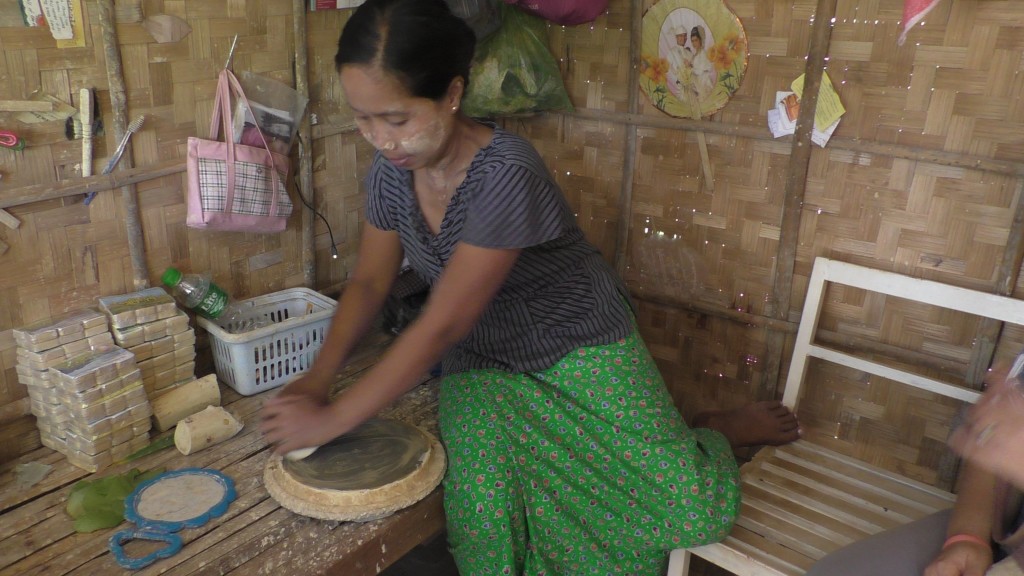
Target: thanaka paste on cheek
[[386, 146], [425, 140]]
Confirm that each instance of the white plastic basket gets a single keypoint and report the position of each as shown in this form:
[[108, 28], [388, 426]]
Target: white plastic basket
[[270, 356]]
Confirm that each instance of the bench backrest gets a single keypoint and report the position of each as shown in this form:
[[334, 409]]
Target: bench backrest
[[927, 291]]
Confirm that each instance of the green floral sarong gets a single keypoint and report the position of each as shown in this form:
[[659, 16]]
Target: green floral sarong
[[586, 468]]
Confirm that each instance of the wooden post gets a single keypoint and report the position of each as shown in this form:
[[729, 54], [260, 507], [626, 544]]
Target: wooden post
[[119, 109], [629, 155], [1006, 279], [796, 186], [305, 172]]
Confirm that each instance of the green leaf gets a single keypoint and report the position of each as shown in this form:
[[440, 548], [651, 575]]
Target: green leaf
[[99, 503]]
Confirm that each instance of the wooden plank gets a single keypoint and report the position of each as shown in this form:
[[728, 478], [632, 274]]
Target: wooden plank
[[256, 535], [245, 510], [629, 157], [38, 192], [9, 220], [761, 133], [802, 513], [119, 105], [859, 494], [796, 187], [26, 106], [304, 173], [829, 459], [903, 376], [393, 537], [748, 553], [54, 539], [781, 529]]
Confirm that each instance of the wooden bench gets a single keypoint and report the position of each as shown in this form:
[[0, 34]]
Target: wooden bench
[[802, 501], [256, 535]]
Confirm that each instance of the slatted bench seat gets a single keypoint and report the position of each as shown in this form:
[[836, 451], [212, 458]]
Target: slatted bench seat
[[802, 501]]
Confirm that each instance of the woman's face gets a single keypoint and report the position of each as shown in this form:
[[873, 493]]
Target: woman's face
[[698, 44], [410, 132]]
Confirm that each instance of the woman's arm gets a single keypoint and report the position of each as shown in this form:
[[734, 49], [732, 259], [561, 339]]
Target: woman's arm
[[377, 266], [972, 516], [465, 289]]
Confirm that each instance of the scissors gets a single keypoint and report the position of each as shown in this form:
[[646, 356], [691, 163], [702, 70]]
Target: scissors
[[10, 140]]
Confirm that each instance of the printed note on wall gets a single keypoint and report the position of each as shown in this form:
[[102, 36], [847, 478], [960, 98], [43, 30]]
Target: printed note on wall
[[64, 18]]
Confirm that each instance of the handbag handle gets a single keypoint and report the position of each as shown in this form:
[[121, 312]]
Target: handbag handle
[[226, 85]]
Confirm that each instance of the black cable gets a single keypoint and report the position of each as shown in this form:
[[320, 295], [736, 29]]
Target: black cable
[[334, 246]]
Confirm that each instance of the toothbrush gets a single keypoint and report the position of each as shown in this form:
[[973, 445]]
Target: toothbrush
[[132, 128]]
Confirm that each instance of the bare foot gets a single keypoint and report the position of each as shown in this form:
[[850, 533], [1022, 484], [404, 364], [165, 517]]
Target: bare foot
[[761, 423]]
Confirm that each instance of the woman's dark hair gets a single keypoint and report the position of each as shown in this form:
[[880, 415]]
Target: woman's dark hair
[[421, 42]]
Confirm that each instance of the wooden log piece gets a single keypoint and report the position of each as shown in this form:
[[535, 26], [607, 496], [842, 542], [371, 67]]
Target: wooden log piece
[[185, 401], [211, 426]]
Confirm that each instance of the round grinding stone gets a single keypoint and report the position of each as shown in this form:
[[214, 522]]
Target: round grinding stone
[[371, 472]]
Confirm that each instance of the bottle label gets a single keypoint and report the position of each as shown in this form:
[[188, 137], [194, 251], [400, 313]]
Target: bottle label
[[214, 302]]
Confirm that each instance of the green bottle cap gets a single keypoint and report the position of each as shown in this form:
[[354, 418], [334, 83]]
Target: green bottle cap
[[171, 276]]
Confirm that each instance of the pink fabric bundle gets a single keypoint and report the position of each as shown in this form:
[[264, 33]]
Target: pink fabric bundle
[[913, 12], [564, 12]]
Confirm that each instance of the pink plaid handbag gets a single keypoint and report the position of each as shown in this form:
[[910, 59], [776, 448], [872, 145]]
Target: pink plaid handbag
[[233, 187]]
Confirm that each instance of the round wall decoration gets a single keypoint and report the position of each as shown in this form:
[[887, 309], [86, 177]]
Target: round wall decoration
[[693, 56]]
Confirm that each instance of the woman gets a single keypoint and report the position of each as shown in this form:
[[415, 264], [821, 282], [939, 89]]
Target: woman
[[703, 76], [565, 453]]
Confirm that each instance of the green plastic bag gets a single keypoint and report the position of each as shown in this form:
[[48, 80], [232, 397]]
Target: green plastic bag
[[513, 70]]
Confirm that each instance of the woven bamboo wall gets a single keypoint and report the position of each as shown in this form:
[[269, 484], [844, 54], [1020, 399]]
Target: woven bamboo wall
[[65, 254], [921, 177], [952, 88]]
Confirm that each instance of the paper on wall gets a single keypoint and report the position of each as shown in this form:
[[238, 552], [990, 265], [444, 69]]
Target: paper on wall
[[829, 108], [782, 120], [63, 17]]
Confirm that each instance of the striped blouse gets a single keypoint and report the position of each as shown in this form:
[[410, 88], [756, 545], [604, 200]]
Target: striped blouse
[[560, 294]]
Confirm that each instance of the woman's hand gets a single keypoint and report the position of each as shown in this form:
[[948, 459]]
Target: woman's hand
[[993, 435], [310, 385], [293, 421], [961, 559]]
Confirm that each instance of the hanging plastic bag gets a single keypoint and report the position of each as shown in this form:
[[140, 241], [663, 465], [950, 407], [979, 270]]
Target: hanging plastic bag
[[483, 16], [513, 70], [564, 12]]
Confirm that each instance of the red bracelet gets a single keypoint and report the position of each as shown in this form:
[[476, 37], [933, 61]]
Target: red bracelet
[[964, 538]]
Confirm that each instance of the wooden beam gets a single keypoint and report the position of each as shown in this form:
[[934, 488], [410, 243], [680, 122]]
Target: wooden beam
[[304, 175], [25, 106], [9, 220], [939, 157], [119, 111], [100, 183], [796, 186], [990, 330], [629, 154]]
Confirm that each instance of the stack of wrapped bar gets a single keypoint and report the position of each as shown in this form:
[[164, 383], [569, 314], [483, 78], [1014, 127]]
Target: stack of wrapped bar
[[106, 415], [149, 324], [45, 344]]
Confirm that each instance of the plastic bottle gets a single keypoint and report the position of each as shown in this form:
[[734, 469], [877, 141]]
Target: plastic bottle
[[199, 293]]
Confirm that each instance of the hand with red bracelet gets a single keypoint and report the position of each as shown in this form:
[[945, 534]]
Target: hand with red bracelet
[[962, 555]]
